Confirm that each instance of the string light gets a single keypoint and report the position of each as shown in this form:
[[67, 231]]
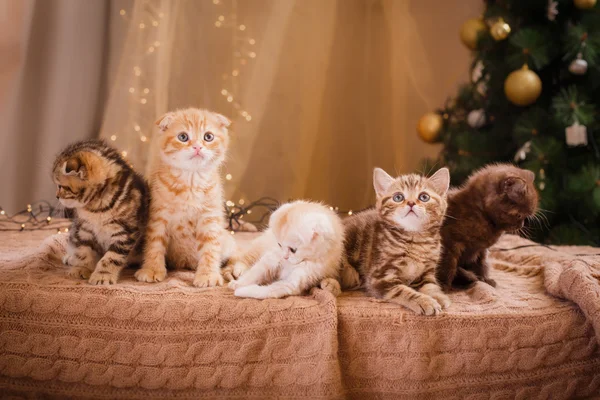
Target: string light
[[124, 153], [154, 23], [22, 226], [29, 208], [136, 128], [251, 41], [233, 232], [2, 212], [131, 90], [230, 203], [249, 212], [143, 138], [230, 98], [242, 201], [350, 212], [242, 27], [151, 49], [143, 101], [49, 219], [122, 12], [235, 72], [218, 24], [157, 43], [221, 18], [142, 25], [215, 2], [252, 54], [146, 91], [224, 92], [113, 137], [66, 230], [228, 177]]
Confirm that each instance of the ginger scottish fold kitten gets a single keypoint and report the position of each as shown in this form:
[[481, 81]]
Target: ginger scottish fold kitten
[[186, 208], [393, 250], [301, 249]]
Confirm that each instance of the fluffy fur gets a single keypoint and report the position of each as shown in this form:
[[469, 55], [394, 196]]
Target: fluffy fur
[[301, 249], [494, 200], [393, 250], [186, 211], [110, 203]]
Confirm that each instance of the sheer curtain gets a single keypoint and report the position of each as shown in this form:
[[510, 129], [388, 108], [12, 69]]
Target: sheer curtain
[[320, 91]]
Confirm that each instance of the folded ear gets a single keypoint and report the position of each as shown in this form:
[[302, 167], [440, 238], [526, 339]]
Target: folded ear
[[529, 175], [223, 120], [164, 121], [74, 167], [514, 187], [381, 181], [440, 181]]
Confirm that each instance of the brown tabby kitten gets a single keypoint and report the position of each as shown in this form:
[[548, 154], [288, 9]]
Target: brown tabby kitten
[[494, 200], [396, 247], [110, 203]]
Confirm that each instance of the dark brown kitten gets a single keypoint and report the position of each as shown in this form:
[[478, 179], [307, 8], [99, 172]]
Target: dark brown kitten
[[494, 200]]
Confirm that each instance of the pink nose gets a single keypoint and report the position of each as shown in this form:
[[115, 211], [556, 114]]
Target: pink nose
[[411, 204], [197, 147]]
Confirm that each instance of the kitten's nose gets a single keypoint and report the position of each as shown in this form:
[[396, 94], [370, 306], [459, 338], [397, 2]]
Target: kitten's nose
[[197, 147], [411, 204]]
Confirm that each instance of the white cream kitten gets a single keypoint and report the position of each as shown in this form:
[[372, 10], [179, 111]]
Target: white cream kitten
[[301, 249]]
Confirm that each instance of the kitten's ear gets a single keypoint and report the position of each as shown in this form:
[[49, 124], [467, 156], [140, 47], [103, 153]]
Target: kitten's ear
[[529, 175], [74, 167], [223, 120], [440, 181], [164, 121], [515, 188], [381, 181]]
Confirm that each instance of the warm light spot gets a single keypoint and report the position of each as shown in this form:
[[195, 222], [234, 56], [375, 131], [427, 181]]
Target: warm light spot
[[218, 24], [248, 118], [249, 212], [122, 12], [58, 231], [138, 73], [252, 54], [146, 90], [151, 49], [242, 27], [66, 230], [49, 219], [113, 137], [143, 101], [224, 92], [22, 226], [350, 212], [235, 72], [136, 128], [229, 99], [143, 138], [142, 25], [228, 177], [221, 18], [242, 201], [157, 43], [244, 113], [124, 153], [232, 232], [131, 90], [215, 1], [2, 212], [154, 23], [229, 203], [251, 41]]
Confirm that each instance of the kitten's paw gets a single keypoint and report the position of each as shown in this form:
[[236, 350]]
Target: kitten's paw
[[103, 278], [232, 272], [427, 306], [442, 299], [79, 272], [251, 291], [332, 286], [150, 275], [233, 285], [490, 282], [66, 260], [208, 280]]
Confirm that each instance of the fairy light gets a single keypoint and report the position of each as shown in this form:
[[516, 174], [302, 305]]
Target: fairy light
[[156, 43], [143, 138], [252, 54], [131, 90], [224, 92], [49, 219], [146, 90], [151, 49], [22, 226], [66, 230], [248, 118], [252, 41], [249, 212], [155, 23], [29, 208], [242, 27], [230, 98], [235, 72], [233, 232], [124, 153], [143, 101], [113, 137], [215, 2], [350, 212], [242, 201], [218, 24], [136, 128], [221, 18], [228, 177], [142, 25], [230, 203], [2, 212], [122, 12]]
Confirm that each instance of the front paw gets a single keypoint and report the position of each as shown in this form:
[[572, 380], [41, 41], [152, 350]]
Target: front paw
[[442, 299], [251, 291], [103, 278], [151, 274], [208, 280], [79, 272], [232, 272], [332, 286], [233, 285], [489, 281], [426, 305]]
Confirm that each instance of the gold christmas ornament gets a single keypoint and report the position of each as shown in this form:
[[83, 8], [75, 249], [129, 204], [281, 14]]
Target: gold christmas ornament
[[430, 126], [523, 87], [584, 4], [500, 30], [470, 30]]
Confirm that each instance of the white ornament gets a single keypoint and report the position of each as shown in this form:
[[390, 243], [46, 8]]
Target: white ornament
[[521, 154], [578, 66], [576, 135], [552, 10], [476, 118]]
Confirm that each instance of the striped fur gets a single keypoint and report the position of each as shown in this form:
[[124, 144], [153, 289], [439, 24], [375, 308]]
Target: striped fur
[[186, 211], [393, 254], [110, 203]]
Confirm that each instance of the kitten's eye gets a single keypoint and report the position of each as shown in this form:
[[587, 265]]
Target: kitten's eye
[[279, 244], [424, 197], [398, 198], [292, 250], [183, 137], [209, 136]]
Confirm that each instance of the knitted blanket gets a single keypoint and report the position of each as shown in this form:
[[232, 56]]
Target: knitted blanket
[[534, 336]]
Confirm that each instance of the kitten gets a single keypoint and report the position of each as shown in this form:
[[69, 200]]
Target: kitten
[[494, 200], [110, 203], [301, 249], [393, 250], [186, 211]]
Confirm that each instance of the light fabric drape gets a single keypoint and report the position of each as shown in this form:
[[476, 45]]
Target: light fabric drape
[[52, 63], [335, 89]]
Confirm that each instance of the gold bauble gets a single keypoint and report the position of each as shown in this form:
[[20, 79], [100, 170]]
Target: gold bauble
[[523, 87], [500, 30], [470, 31], [584, 4], [430, 126]]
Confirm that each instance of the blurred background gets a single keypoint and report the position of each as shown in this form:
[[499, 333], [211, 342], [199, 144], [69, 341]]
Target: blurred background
[[320, 91]]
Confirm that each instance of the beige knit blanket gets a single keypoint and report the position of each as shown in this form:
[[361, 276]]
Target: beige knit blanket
[[530, 338]]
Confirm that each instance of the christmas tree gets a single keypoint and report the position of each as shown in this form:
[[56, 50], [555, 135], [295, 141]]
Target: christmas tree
[[532, 100]]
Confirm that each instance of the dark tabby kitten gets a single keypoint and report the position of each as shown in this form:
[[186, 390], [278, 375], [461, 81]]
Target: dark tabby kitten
[[494, 200], [110, 203], [396, 247]]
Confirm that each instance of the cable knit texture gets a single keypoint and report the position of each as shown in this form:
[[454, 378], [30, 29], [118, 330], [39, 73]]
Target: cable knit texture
[[532, 337]]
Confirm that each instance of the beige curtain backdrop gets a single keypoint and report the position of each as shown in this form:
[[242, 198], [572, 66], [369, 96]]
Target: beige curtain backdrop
[[52, 63], [334, 89]]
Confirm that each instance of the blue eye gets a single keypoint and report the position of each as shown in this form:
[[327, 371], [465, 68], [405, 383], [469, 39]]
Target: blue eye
[[183, 137], [424, 197], [398, 198], [209, 136]]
